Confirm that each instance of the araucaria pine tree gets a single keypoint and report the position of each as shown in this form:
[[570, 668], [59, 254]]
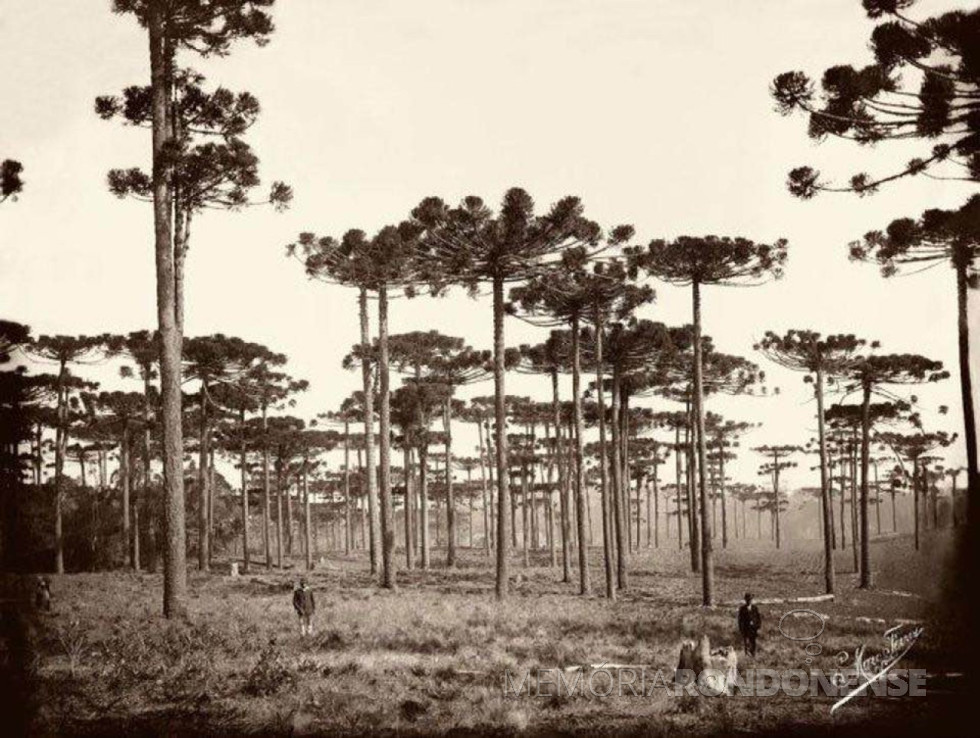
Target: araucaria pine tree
[[471, 245], [821, 358], [699, 261], [909, 246], [205, 29], [871, 374]]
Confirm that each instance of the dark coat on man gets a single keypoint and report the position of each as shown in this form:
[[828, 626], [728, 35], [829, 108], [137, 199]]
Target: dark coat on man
[[303, 602], [749, 619]]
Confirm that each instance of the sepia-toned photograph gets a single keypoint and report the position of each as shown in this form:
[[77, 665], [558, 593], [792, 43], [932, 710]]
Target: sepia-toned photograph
[[489, 367]]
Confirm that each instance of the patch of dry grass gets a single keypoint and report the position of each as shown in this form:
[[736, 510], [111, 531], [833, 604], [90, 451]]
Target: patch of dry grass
[[432, 656]]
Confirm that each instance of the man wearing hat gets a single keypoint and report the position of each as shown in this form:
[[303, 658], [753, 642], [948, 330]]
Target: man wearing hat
[[305, 606], [749, 622]]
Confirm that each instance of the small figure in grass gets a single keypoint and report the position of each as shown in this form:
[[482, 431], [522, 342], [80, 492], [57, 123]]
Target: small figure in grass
[[42, 594], [749, 622], [305, 606]]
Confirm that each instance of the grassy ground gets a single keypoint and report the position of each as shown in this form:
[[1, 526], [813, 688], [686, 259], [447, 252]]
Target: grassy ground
[[432, 657]]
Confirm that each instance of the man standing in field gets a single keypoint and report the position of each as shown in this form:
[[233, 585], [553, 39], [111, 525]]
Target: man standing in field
[[749, 622], [305, 606]]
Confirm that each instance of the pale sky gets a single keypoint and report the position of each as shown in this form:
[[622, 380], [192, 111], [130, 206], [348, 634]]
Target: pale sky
[[655, 113]]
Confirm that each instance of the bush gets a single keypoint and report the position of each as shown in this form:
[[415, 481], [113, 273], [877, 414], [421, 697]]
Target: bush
[[271, 674]]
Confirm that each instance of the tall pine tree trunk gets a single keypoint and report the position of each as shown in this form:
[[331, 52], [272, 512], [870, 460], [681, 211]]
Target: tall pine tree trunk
[[243, 468], [707, 559], [524, 515], [266, 489], [500, 417], [966, 394], [203, 556], [865, 529], [825, 490], [487, 536], [367, 386], [387, 523], [878, 499], [308, 521], [170, 339], [563, 501], [124, 483], [348, 529], [585, 585], [692, 504], [855, 543], [409, 473], [424, 500], [150, 518], [278, 514], [60, 448], [915, 499], [677, 470], [775, 495], [608, 539], [450, 499], [619, 520]]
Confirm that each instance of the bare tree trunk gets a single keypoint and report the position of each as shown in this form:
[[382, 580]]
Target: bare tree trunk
[[266, 490], [203, 555], [585, 586], [625, 474], [843, 498], [367, 386], [483, 481], [147, 459], [619, 522], [830, 490], [124, 484], [677, 469], [424, 497], [500, 417], [877, 500], [288, 526], [966, 393], [894, 514], [243, 468], [524, 514], [692, 500], [656, 508], [775, 494], [854, 508], [915, 499], [639, 507], [450, 500], [348, 528], [211, 494], [387, 524], [825, 490], [407, 461], [721, 492], [60, 448], [652, 514], [491, 462], [608, 540], [308, 519], [513, 521], [563, 501], [278, 514], [170, 339], [707, 559], [865, 530], [469, 486]]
